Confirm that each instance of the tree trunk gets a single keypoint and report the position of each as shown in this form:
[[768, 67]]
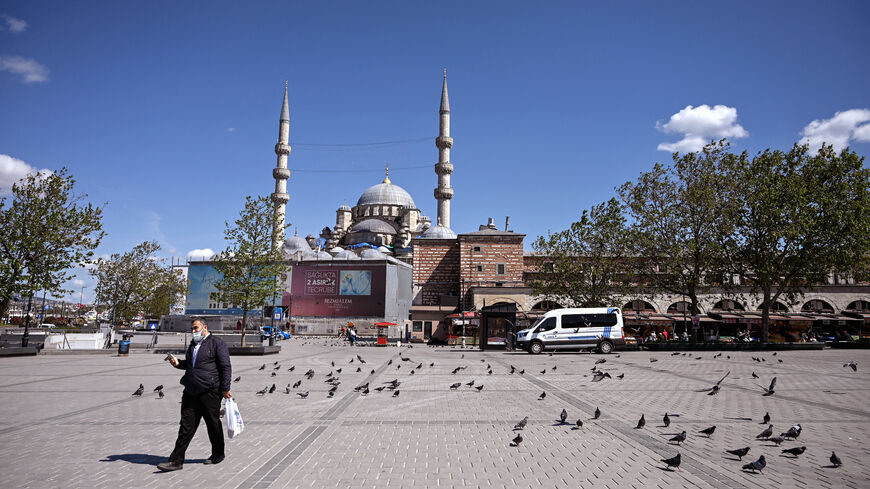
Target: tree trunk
[[244, 321], [4, 306], [765, 316]]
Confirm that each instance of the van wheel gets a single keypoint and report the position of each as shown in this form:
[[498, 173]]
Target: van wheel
[[536, 347], [605, 347]]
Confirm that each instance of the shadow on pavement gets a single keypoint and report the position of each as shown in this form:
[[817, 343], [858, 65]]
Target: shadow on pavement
[[136, 458]]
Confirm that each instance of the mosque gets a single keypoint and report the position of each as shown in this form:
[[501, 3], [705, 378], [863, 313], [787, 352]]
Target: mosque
[[385, 218]]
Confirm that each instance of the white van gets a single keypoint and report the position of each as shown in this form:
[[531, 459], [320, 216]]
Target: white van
[[599, 328]]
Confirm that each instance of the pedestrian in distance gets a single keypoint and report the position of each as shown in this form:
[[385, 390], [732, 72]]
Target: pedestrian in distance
[[207, 378]]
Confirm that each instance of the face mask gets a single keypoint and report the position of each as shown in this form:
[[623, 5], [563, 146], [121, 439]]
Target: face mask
[[197, 337]]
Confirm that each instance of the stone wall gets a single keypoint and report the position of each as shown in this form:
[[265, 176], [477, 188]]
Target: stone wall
[[436, 269]]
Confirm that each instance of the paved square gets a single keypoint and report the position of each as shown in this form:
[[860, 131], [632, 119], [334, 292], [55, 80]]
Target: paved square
[[69, 420]]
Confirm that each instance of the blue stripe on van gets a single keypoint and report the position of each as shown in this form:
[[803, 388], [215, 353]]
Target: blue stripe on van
[[607, 331]]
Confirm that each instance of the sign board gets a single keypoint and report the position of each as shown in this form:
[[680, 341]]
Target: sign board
[[340, 290], [277, 316], [46, 307], [696, 320]]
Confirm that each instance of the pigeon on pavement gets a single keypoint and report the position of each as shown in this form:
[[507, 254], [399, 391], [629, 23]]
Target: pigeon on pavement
[[518, 439], [709, 431], [542, 396], [672, 462], [679, 438], [579, 424], [158, 388], [795, 451], [303, 395], [666, 420], [641, 422], [139, 391], [835, 460], [563, 416], [522, 423], [766, 419], [852, 365], [766, 433], [597, 413], [739, 452], [758, 465]]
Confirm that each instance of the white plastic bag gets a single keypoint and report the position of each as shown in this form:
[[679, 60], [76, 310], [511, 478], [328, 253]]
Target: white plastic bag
[[235, 425]]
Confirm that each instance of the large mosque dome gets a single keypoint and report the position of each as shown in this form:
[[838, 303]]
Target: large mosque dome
[[386, 194]]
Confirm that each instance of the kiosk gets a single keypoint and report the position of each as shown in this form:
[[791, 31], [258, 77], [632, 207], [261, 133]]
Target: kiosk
[[383, 329]]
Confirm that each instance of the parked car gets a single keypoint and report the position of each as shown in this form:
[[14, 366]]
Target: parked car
[[46, 325], [266, 331]]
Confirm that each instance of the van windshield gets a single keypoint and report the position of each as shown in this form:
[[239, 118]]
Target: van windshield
[[545, 324]]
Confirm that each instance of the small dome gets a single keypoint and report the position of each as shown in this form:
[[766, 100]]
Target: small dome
[[384, 250], [373, 226], [335, 250], [322, 255], [439, 232], [370, 254], [346, 255], [386, 193], [344, 207], [294, 244]]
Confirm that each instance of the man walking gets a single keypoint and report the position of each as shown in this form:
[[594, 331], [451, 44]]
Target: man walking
[[207, 375]]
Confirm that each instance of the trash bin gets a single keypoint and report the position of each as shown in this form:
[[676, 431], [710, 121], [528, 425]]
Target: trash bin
[[124, 347]]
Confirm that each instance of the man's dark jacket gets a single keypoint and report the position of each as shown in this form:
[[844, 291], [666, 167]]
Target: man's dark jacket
[[212, 370]]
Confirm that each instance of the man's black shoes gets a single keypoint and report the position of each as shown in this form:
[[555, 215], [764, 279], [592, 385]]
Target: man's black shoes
[[213, 460], [169, 466]]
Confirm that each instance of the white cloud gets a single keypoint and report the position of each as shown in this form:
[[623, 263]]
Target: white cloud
[[231, 129], [13, 24], [29, 69], [12, 170], [78, 283], [699, 125], [838, 131], [203, 254]]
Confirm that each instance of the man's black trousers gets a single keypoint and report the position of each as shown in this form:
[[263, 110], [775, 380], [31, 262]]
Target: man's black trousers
[[193, 407]]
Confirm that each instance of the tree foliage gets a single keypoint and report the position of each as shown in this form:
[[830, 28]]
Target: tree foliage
[[45, 231], [137, 281], [677, 222], [798, 217], [584, 264], [252, 271]]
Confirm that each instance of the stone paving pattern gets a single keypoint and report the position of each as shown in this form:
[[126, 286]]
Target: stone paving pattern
[[69, 421]]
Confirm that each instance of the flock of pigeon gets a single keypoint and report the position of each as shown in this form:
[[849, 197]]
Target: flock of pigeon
[[756, 466], [598, 375]]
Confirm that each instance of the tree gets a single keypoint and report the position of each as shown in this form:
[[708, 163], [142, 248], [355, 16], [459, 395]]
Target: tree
[[45, 230], [584, 264], [677, 222], [798, 217], [137, 281], [251, 269]]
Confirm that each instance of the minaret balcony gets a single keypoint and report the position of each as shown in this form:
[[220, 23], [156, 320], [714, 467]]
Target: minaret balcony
[[445, 168], [282, 149], [281, 173], [444, 142], [443, 193], [280, 197]]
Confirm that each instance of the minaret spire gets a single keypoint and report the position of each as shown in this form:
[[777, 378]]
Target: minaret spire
[[443, 193], [387, 176], [281, 173]]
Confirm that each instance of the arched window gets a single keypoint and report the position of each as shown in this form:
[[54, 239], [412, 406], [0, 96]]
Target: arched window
[[818, 306], [680, 307], [728, 305], [546, 306], [638, 305], [777, 307], [858, 306]]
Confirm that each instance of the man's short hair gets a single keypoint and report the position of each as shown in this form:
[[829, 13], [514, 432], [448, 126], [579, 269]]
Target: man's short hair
[[200, 321]]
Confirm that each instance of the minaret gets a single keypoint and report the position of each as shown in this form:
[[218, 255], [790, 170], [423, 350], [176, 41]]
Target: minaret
[[281, 173], [443, 193]]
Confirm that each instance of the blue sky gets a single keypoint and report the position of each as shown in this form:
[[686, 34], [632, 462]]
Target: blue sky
[[168, 111]]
